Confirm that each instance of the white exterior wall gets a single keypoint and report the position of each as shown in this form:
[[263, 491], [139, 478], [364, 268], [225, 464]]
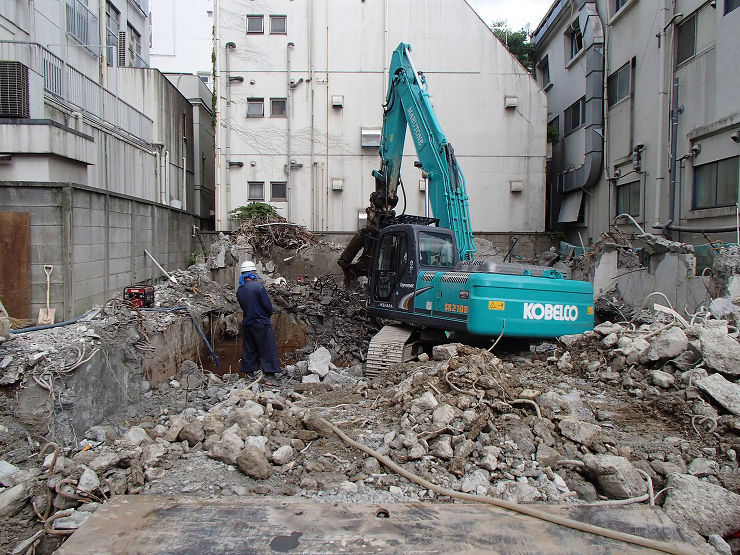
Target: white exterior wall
[[347, 52], [182, 36]]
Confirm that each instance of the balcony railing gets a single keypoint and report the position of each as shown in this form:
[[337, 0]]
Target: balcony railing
[[66, 84]]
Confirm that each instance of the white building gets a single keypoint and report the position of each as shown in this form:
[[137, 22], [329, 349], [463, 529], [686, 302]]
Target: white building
[[643, 95], [301, 87], [182, 37]]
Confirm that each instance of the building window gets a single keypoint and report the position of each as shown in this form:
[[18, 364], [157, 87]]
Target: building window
[[575, 40], [112, 26], [277, 107], [204, 76], [543, 73], [279, 191], [82, 23], [278, 25], [715, 184], [628, 199], [575, 116], [134, 47], [256, 190], [255, 25], [255, 107], [686, 39], [618, 85], [731, 5], [618, 4]]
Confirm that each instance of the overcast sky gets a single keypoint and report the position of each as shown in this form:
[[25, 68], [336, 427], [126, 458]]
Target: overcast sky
[[517, 13]]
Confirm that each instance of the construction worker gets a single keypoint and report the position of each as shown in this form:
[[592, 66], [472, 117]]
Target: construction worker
[[258, 346]]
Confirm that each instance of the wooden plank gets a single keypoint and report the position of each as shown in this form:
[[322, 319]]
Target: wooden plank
[[185, 525], [15, 263]]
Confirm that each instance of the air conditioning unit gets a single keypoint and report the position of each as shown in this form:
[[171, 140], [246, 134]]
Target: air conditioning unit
[[122, 49], [14, 90]]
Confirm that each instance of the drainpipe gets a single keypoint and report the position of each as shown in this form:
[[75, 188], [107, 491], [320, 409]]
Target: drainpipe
[[217, 132], [167, 175], [185, 183], [103, 33], [675, 110], [288, 106], [229, 47], [313, 114], [662, 92]]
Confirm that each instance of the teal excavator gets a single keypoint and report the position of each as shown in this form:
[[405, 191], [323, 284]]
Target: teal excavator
[[420, 269]]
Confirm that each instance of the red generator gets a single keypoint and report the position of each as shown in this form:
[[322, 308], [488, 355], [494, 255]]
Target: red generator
[[139, 297]]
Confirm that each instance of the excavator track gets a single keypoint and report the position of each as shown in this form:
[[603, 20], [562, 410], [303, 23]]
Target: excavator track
[[389, 346]]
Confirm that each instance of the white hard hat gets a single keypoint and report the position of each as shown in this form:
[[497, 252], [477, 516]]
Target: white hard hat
[[248, 266]]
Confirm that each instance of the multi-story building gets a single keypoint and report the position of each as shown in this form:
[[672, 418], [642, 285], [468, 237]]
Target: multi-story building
[[301, 87], [182, 37], [644, 116], [88, 180]]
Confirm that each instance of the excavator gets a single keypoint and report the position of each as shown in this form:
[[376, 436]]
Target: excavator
[[421, 270]]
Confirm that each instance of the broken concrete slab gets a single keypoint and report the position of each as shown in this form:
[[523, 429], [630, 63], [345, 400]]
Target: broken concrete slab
[[615, 476], [721, 390], [668, 344], [14, 499], [319, 361], [720, 351], [701, 506]]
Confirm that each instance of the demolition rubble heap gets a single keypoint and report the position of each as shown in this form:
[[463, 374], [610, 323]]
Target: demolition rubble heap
[[642, 411]]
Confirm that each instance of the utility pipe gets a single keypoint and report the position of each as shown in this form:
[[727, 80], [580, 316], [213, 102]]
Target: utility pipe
[[158, 174], [102, 33], [162, 177], [185, 183], [675, 110], [661, 104], [229, 47], [172, 279], [662, 93], [310, 19], [288, 106], [218, 210], [167, 175]]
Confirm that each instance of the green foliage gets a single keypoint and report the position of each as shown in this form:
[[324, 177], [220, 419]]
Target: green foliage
[[516, 42], [198, 257], [553, 135], [253, 210]]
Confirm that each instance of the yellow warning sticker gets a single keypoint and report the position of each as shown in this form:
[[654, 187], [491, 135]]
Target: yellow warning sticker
[[590, 310], [496, 305]]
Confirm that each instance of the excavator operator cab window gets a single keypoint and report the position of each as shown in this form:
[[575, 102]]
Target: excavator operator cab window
[[436, 250], [392, 264]]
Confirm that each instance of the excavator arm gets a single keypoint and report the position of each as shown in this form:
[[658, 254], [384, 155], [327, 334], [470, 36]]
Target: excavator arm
[[408, 107]]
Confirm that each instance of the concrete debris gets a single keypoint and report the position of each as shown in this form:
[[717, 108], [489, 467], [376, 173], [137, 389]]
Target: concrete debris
[[702, 506], [573, 421], [615, 476], [720, 351], [726, 393], [668, 344]]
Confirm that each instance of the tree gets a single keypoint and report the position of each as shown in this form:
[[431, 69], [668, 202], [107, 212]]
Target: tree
[[516, 42]]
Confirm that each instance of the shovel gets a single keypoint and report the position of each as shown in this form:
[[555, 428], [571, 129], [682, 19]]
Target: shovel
[[46, 315]]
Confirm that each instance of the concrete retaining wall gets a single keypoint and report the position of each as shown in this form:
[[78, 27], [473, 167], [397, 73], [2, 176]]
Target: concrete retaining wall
[[95, 240]]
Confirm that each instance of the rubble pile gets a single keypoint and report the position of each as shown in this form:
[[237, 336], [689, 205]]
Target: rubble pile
[[646, 410], [333, 316]]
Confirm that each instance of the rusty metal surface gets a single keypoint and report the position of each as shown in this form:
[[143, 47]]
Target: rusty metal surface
[[15, 263], [186, 525]]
